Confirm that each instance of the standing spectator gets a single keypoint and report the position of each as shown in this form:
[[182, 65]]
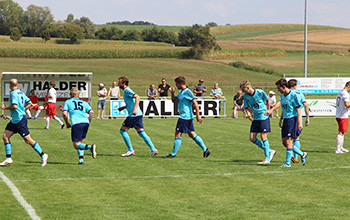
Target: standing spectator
[[163, 88], [238, 104], [114, 92], [34, 99], [101, 104], [152, 92], [216, 92], [200, 89], [272, 102], [51, 106]]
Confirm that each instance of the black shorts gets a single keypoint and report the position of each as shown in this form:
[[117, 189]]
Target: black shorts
[[133, 122], [260, 126], [290, 128], [184, 126], [79, 131], [21, 127]]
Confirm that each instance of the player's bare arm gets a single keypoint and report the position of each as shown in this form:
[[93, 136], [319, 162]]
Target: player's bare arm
[[121, 108], [307, 112], [10, 107], [65, 117], [269, 112], [199, 118], [300, 125], [137, 102], [173, 98]]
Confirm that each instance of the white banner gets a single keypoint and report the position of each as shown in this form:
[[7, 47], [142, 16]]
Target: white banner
[[320, 107], [165, 108], [320, 85]]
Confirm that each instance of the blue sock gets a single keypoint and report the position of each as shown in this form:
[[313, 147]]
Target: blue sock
[[289, 156], [297, 150], [297, 145], [83, 146], [126, 139], [80, 155], [147, 140], [258, 143], [8, 149], [37, 148], [266, 148], [177, 144], [200, 142]]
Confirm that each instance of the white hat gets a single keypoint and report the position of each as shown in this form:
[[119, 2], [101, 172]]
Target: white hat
[[271, 92], [101, 85]]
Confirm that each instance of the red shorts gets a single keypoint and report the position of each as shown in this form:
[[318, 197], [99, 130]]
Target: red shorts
[[36, 106], [51, 109], [343, 124]]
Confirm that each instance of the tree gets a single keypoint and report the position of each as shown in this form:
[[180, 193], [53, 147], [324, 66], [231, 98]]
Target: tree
[[157, 35], [74, 33], [46, 35], [199, 39], [11, 15], [37, 19], [212, 24], [57, 29], [88, 25], [111, 33], [70, 18], [131, 35], [15, 34]]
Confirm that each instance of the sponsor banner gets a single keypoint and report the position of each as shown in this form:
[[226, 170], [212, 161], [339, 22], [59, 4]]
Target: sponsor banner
[[320, 107], [165, 108], [321, 85]]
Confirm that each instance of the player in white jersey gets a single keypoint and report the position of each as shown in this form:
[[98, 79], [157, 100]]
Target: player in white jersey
[[342, 116], [51, 106]]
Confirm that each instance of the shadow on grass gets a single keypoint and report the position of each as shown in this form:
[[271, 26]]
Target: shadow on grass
[[49, 163]]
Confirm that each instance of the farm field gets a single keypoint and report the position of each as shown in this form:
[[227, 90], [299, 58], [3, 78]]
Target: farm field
[[229, 184], [142, 27]]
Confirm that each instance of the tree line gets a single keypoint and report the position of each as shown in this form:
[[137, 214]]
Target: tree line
[[38, 21]]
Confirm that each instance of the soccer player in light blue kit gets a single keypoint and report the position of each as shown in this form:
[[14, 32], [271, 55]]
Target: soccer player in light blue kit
[[17, 103], [256, 99], [292, 84], [78, 110], [185, 100], [134, 119], [291, 116]]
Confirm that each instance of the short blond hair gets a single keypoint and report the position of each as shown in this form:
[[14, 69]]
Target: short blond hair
[[74, 92], [245, 84]]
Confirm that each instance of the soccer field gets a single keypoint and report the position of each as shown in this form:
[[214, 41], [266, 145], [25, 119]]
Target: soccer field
[[228, 185]]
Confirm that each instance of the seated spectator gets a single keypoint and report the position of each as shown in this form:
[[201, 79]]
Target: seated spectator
[[271, 102], [152, 92], [35, 101], [114, 92], [216, 92], [238, 104], [101, 104], [200, 89], [163, 88]]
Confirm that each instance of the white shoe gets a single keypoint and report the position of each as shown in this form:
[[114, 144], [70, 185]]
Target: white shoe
[[93, 151], [7, 161], [129, 153], [271, 155], [344, 150], [264, 162], [339, 152], [44, 160]]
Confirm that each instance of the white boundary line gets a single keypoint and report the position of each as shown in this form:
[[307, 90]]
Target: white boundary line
[[188, 175], [29, 209]]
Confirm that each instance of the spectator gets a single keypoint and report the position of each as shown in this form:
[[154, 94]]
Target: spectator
[[163, 88], [200, 89], [113, 92], [238, 104], [272, 102], [152, 92], [35, 101], [101, 93], [216, 92]]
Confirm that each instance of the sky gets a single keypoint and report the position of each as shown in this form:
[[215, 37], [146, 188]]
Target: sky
[[189, 12]]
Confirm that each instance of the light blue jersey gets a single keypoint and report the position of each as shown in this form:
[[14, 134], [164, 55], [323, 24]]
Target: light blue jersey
[[256, 102], [130, 102], [301, 98], [185, 98], [289, 104], [77, 110], [18, 98]]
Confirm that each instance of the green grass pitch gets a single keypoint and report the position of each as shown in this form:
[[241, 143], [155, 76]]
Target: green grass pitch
[[227, 185]]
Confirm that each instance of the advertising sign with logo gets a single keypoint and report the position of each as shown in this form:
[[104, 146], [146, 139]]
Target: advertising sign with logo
[[165, 108], [320, 107], [320, 85]]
